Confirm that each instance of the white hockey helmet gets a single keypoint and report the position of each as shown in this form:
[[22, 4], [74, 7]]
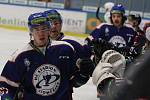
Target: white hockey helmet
[[148, 33], [108, 6]]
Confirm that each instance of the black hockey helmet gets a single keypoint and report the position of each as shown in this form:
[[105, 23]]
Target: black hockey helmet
[[135, 17]]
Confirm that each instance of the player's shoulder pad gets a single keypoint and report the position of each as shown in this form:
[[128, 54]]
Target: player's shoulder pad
[[19, 51], [78, 40], [129, 26], [102, 24], [55, 43]]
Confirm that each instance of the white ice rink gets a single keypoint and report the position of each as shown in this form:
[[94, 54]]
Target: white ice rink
[[10, 40]]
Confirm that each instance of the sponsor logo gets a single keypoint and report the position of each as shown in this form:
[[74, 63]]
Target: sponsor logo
[[46, 79], [63, 57]]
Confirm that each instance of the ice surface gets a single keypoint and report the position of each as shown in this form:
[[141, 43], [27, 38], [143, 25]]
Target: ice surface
[[10, 40]]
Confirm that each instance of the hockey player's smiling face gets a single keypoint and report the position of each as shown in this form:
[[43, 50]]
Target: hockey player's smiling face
[[55, 29], [40, 35], [117, 19]]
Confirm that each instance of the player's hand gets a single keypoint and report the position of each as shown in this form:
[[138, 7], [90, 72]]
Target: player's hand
[[86, 66], [100, 46]]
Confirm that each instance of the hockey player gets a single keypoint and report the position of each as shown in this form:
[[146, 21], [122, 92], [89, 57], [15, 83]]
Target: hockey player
[[146, 25], [140, 40], [148, 33], [146, 29], [42, 69], [55, 33], [121, 36], [114, 36], [108, 6]]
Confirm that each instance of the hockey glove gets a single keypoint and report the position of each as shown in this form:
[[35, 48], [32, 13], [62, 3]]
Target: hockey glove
[[86, 66], [117, 61], [100, 46]]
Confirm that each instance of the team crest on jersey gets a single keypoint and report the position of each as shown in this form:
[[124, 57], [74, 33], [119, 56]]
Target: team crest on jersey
[[46, 79], [118, 41], [106, 31]]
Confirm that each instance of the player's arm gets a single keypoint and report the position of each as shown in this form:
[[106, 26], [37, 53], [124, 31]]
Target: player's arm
[[97, 33], [12, 74], [8, 85]]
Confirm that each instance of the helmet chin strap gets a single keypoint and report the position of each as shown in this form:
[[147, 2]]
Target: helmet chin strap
[[30, 34]]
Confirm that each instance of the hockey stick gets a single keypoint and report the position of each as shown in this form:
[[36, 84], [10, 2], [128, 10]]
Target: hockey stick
[[97, 11]]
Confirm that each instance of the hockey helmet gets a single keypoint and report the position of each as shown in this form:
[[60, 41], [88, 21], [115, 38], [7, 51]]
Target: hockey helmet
[[108, 6], [53, 15], [37, 19], [135, 17], [119, 8]]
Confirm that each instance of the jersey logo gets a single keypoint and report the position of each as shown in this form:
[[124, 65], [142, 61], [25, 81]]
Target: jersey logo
[[106, 31], [63, 57], [46, 79], [118, 41]]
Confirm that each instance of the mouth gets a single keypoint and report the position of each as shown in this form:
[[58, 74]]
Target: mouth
[[54, 31], [41, 39], [116, 21]]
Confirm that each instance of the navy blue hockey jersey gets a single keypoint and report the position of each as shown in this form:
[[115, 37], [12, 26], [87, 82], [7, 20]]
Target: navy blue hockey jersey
[[43, 77], [124, 36], [82, 50]]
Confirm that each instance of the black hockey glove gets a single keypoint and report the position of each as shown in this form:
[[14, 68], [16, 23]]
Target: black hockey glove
[[133, 51], [86, 66], [100, 46]]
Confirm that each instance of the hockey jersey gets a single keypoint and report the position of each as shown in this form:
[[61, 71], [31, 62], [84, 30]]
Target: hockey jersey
[[42, 77], [82, 51], [124, 36]]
